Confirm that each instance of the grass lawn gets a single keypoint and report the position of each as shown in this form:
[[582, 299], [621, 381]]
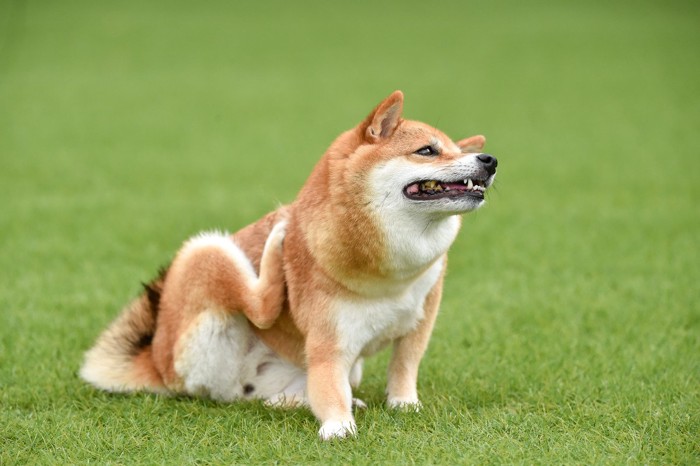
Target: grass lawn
[[570, 325]]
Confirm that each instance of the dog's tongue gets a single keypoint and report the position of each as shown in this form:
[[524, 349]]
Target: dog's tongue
[[413, 189], [455, 186]]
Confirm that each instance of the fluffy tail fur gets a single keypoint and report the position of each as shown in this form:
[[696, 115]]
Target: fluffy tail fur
[[121, 359]]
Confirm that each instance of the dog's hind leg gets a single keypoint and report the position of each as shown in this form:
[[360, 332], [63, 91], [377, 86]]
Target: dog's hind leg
[[267, 296], [211, 287], [211, 355]]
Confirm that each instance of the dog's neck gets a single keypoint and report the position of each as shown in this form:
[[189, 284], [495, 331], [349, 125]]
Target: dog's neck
[[414, 244], [366, 249], [360, 236]]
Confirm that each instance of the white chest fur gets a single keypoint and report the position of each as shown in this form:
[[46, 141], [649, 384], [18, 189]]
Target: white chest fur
[[415, 234], [365, 324]]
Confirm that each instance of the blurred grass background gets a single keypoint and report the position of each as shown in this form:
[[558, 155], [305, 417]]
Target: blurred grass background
[[570, 326]]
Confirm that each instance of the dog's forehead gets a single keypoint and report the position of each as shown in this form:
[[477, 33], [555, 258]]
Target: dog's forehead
[[415, 133]]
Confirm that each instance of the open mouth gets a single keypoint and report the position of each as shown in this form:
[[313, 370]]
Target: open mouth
[[433, 189]]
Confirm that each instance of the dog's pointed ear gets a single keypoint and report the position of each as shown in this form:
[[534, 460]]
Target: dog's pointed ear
[[472, 144], [382, 122]]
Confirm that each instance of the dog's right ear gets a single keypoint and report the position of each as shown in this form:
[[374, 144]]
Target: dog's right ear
[[382, 122]]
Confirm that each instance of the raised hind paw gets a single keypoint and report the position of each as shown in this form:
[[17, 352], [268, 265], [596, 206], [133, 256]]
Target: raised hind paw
[[277, 234]]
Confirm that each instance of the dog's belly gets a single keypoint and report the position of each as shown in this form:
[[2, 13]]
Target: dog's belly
[[365, 325]]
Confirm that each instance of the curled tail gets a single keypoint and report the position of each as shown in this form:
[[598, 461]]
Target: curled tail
[[120, 360]]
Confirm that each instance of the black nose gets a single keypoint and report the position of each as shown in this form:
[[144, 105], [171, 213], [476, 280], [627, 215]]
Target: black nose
[[490, 163]]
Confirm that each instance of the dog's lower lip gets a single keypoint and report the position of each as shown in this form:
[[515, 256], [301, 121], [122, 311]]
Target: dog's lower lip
[[447, 195]]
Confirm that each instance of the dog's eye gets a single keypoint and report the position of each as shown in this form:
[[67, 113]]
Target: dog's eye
[[427, 150]]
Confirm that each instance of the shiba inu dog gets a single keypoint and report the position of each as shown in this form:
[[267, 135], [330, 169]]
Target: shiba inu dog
[[286, 309]]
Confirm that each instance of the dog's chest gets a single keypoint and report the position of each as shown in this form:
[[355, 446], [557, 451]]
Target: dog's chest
[[365, 324]]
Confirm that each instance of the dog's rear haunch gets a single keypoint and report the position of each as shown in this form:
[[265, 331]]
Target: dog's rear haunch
[[286, 309]]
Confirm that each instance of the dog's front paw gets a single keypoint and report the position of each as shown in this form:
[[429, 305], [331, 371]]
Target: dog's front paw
[[404, 404], [337, 429]]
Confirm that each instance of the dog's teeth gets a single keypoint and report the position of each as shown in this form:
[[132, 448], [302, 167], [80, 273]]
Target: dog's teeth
[[470, 184]]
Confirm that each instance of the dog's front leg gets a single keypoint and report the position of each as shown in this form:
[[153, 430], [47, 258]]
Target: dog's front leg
[[329, 392], [408, 351]]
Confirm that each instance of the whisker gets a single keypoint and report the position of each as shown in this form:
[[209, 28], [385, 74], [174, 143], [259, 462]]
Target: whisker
[[386, 196]]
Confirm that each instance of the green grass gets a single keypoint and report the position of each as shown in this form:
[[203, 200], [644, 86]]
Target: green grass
[[570, 326]]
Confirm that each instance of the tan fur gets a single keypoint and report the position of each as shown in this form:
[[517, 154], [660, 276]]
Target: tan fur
[[472, 144], [337, 255], [203, 280], [196, 281]]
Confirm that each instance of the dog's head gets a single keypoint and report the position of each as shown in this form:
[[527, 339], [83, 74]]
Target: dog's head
[[423, 168], [409, 165], [385, 196]]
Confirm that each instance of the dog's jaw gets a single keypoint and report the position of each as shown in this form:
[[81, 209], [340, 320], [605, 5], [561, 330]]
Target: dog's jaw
[[431, 190], [419, 228]]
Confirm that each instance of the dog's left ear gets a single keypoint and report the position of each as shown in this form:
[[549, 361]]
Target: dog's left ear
[[382, 122], [472, 144]]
